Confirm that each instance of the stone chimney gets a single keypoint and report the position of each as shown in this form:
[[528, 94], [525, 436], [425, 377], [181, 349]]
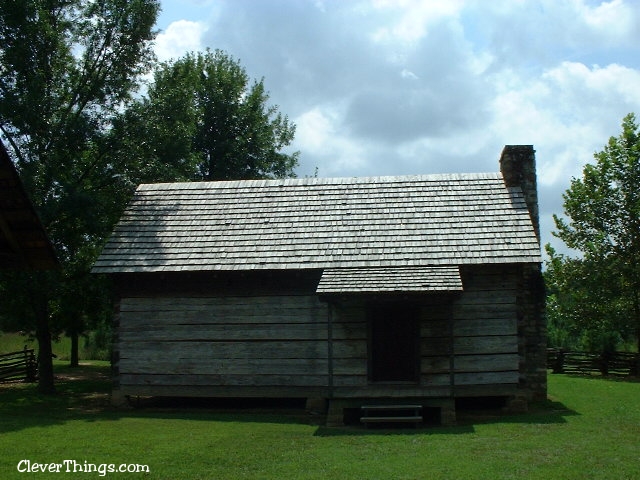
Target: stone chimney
[[518, 167]]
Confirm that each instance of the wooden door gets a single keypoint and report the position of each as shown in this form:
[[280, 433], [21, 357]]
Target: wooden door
[[394, 343]]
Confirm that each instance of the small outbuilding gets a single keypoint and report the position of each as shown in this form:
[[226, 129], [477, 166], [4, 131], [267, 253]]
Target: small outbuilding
[[418, 290]]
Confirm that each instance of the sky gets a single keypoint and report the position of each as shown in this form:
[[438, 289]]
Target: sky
[[412, 87]]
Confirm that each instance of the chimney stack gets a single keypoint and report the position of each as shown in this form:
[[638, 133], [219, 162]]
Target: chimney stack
[[518, 167]]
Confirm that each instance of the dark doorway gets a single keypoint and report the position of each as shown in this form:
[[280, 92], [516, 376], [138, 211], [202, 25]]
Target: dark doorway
[[394, 343]]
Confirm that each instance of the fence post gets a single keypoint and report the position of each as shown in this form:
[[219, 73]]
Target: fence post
[[558, 365], [31, 366]]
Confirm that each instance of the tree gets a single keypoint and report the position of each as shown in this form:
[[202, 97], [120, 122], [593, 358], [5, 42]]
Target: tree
[[585, 305], [201, 119], [603, 212], [67, 68]]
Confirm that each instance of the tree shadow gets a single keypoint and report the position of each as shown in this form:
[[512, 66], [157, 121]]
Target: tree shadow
[[612, 377], [84, 394], [540, 413]]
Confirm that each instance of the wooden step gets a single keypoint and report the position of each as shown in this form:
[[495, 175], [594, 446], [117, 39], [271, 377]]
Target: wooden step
[[391, 407], [415, 419], [400, 414]]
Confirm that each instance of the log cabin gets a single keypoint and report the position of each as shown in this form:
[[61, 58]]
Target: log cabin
[[349, 292]]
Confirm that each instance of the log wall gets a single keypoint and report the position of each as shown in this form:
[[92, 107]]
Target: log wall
[[469, 341], [204, 339], [223, 346]]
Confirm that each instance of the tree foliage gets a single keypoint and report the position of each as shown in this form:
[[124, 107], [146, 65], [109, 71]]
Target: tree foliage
[[599, 291], [82, 141], [203, 119], [586, 308], [66, 68]]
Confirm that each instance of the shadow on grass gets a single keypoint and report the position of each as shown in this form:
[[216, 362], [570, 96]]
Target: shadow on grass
[[607, 378], [360, 431], [84, 394], [548, 412]]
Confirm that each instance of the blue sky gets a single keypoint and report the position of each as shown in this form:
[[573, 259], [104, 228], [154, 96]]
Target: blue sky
[[394, 87]]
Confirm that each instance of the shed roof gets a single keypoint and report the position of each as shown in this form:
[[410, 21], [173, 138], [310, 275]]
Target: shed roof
[[393, 279], [23, 241], [316, 223]]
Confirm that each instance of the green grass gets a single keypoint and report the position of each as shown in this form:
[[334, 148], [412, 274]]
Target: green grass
[[590, 428], [12, 342]]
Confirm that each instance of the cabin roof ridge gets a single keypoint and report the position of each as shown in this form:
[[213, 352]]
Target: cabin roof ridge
[[319, 181]]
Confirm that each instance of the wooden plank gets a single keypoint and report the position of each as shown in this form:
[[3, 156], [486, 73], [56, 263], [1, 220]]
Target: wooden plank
[[181, 302], [350, 380], [224, 380], [485, 345], [434, 347], [486, 312], [350, 349], [350, 366], [411, 419], [488, 390], [257, 316], [430, 365], [381, 391], [486, 363], [294, 366], [487, 297], [468, 327], [19, 365], [223, 391], [498, 276], [180, 332], [486, 378], [435, 328], [349, 330], [5, 357], [390, 407], [222, 306], [435, 379], [203, 351]]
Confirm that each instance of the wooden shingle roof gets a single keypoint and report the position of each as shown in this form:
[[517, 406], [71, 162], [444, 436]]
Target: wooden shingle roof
[[316, 223], [391, 279]]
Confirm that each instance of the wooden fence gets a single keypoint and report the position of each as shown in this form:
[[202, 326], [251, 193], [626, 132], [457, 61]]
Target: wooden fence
[[615, 363], [20, 365]]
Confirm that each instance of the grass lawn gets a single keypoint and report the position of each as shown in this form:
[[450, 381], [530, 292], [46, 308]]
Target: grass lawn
[[590, 428], [12, 342]]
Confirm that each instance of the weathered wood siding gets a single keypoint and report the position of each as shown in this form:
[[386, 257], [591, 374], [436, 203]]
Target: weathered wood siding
[[468, 341], [218, 346], [266, 343], [485, 329]]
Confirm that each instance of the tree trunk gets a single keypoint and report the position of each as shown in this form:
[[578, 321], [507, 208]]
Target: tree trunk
[[40, 303], [74, 348], [636, 312], [45, 354]]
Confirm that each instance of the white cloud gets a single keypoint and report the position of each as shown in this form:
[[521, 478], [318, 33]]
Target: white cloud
[[408, 74], [614, 18], [320, 136], [180, 37], [570, 110], [412, 18]]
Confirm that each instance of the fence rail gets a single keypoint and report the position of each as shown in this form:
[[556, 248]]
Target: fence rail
[[614, 363], [20, 365]]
